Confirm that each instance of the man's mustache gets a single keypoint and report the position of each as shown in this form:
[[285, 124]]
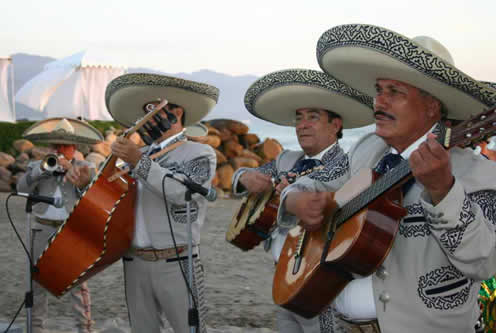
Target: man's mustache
[[382, 113]]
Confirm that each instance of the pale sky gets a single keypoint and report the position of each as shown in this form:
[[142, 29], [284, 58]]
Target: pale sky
[[234, 37]]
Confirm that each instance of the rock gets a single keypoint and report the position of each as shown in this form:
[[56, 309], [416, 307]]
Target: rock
[[110, 138], [215, 181], [225, 173], [225, 134], [249, 139], [221, 158], [23, 145], [269, 149], [6, 159], [212, 130], [5, 186], [102, 148], [213, 141], [136, 138], [238, 162], [38, 153], [95, 158], [5, 175], [234, 126], [232, 149], [250, 154]]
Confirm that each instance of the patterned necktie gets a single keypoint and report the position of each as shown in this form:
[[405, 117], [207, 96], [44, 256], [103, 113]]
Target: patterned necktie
[[389, 162], [305, 164]]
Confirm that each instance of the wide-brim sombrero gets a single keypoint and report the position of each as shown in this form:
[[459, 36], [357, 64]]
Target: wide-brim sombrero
[[359, 54], [276, 96], [196, 130], [127, 95], [62, 131]]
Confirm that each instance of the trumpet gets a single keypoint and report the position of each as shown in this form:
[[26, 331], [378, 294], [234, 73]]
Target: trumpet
[[51, 163]]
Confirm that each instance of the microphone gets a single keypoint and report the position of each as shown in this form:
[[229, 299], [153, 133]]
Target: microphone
[[210, 194], [56, 201]]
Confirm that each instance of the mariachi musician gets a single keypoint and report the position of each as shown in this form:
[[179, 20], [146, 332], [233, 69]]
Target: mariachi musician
[[446, 243], [154, 283], [319, 107], [58, 175]]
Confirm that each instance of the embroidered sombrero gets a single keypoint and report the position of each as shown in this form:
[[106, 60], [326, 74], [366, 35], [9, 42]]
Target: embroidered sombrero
[[276, 96], [127, 95], [63, 131], [358, 54]]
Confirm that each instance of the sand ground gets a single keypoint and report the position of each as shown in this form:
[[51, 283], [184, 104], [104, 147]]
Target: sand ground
[[238, 284]]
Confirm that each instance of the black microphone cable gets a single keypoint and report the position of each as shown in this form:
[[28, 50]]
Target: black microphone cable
[[188, 286], [25, 250]]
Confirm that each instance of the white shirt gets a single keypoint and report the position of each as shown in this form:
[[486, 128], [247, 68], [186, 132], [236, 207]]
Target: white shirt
[[141, 237], [356, 301]]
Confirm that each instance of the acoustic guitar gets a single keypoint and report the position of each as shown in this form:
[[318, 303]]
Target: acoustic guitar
[[360, 224], [256, 217], [98, 231]]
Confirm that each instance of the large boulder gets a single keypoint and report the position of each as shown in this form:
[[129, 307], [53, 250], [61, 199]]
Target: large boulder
[[269, 149], [102, 148], [23, 145], [234, 126], [225, 173], [6, 159]]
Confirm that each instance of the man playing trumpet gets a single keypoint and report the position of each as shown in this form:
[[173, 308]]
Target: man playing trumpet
[[58, 175]]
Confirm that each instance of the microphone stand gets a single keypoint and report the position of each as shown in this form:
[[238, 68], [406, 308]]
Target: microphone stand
[[29, 299], [193, 316]]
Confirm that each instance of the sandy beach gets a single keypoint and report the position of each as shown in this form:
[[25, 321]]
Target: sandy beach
[[238, 284]]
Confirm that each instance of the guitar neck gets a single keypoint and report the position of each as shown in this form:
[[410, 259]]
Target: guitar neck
[[467, 133], [395, 177]]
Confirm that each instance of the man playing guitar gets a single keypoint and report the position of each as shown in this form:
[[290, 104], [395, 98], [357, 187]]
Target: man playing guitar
[[318, 130]]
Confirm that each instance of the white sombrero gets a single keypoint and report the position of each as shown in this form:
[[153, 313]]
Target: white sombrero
[[126, 96], [358, 54], [276, 96], [196, 130], [63, 131]]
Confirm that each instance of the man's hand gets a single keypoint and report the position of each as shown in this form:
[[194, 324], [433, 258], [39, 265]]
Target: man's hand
[[308, 207], [78, 175], [126, 150], [431, 166], [256, 182], [282, 185]]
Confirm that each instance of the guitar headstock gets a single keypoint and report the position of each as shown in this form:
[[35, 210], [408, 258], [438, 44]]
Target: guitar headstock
[[141, 121], [473, 130]]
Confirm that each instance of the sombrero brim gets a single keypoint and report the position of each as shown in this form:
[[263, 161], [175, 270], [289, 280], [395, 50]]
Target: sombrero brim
[[196, 130], [276, 96], [44, 132], [126, 96], [360, 54]]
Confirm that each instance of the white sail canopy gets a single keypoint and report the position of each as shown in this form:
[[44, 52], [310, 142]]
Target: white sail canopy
[[7, 111], [72, 87]]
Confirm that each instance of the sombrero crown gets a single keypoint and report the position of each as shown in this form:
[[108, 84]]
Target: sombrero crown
[[127, 95], [276, 96], [63, 131], [359, 54]]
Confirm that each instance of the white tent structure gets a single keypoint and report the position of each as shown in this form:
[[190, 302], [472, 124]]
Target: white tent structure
[[73, 86], [7, 109]]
